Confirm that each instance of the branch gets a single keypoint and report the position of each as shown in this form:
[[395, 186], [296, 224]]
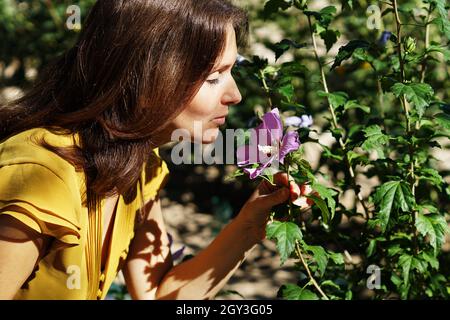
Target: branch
[[298, 250], [334, 122]]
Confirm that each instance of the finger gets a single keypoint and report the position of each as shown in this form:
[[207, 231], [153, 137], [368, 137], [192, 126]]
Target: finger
[[281, 179], [295, 190], [272, 199]]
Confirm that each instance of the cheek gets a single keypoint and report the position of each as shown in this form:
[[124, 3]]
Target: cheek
[[196, 118], [204, 103]]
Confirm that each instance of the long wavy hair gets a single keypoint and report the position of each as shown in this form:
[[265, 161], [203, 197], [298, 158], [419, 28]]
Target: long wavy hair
[[136, 65]]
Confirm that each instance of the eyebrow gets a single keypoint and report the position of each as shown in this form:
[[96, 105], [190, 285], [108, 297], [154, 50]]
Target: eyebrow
[[224, 67]]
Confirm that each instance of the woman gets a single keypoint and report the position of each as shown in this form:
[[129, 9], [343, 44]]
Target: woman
[[79, 165]]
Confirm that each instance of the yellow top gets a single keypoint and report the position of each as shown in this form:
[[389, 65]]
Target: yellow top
[[49, 191]]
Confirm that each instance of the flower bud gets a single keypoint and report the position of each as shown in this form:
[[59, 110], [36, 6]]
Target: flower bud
[[410, 45]]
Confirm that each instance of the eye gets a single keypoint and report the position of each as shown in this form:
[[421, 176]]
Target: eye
[[213, 81]]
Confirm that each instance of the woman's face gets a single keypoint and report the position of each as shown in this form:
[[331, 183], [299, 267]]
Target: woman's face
[[208, 109]]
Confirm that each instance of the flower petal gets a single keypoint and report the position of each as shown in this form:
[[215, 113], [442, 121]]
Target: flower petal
[[272, 122], [291, 142], [254, 172], [245, 156]]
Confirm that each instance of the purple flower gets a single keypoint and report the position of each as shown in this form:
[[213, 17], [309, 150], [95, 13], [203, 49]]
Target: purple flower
[[267, 145], [384, 38], [301, 122]]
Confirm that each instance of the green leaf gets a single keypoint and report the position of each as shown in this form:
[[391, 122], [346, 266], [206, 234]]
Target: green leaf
[[284, 45], [419, 94], [390, 196], [431, 260], [351, 155], [286, 91], [327, 194], [435, 48], [294, 292], [322, 206], [320, 257], [405, 262], [337, 258], [323, 17], [443, 119], [435, 227], [376, 140], [345, 52], [371, 247], [442, 21], [286, 234], [336, 99], [431, 175], [272, 6], [353, 104], [330, 37]]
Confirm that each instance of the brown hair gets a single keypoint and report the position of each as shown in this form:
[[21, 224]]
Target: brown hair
[[136, 65]]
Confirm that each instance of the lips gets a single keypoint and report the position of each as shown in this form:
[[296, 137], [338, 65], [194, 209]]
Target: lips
[[219, 121]]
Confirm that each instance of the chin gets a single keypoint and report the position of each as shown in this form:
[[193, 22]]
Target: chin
[[210, 136]]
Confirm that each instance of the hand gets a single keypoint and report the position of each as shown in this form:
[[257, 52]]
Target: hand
[[255, 212]]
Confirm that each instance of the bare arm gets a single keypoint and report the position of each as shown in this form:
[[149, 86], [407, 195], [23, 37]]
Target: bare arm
[[20, 247], [149, 271], [149, 256]]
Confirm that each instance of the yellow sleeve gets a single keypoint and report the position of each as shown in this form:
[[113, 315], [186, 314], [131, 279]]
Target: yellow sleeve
[[155, 176], [39, 198]]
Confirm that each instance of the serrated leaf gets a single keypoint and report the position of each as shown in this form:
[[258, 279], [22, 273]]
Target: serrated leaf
[[442, 21], [320, 257], [375, 140], [330, 37], [405, 262], [321, 205], [431, 175], [326, 194], [419, 94], [294, 292], [390, 196], [435, 227], [345, 52], [431, 260], [286, 234]]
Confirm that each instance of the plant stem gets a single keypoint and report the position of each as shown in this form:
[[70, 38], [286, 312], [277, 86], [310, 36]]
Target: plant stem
[[427, 44], [266, 89], [288, 164], [334, 122], [298, 250], [409, 132], [380, 98]]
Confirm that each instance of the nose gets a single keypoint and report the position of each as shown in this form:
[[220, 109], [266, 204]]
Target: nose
[[232, 95]]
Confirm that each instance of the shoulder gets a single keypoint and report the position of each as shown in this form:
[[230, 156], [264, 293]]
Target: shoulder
[[25, 148], [38, 187], [154, 175]]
